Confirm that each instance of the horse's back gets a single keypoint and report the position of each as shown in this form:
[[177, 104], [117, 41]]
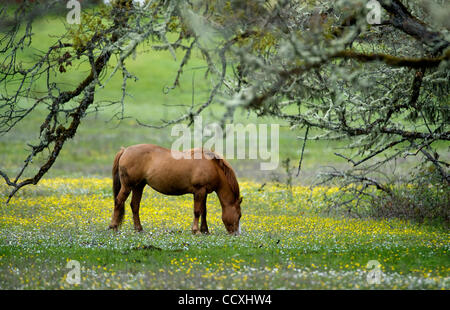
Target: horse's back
[[166, 173], [134, 162]]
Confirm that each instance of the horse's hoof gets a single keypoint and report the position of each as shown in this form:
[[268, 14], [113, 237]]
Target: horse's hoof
[[113, 227], [196, 232]]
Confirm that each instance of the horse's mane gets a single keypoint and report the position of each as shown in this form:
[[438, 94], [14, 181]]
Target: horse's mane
[[230, 175], [227, 170]]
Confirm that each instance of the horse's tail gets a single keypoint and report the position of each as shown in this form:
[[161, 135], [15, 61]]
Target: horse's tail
[[115, 174]]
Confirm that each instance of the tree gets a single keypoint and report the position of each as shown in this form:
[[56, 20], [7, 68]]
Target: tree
[[383, 86], [114, 30]]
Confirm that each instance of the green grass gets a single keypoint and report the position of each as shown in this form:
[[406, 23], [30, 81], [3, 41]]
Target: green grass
[[283, 246]]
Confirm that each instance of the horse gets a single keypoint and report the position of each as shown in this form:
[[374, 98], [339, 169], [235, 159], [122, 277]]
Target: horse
[[170, 172]]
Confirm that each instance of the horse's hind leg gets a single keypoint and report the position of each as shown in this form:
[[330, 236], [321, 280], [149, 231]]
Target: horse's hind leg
[[199, 207], [119, 207], [135, 203]]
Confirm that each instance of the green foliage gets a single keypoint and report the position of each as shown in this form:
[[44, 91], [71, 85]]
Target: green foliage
[[427, 200], [95, 22]]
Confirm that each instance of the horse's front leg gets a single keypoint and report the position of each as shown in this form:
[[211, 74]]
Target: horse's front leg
[[199, 210], [204, 225]]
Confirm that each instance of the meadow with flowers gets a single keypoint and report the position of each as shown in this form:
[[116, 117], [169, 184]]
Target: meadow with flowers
[[286, 243], [288, 239]]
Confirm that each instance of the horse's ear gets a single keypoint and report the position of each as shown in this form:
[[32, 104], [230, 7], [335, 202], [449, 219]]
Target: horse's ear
[[240, 200]]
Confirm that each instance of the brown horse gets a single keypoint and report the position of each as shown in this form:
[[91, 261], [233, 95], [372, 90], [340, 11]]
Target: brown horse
[[196, 171]]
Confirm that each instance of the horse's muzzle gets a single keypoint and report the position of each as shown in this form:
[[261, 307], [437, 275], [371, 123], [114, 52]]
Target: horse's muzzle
[[237, 232]]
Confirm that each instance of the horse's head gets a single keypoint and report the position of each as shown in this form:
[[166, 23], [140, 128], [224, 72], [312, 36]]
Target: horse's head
[[231, 216]]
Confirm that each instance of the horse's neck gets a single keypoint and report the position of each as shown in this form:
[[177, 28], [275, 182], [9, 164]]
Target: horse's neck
[[226, 195]]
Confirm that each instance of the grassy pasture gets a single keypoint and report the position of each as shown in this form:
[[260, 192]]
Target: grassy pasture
[[284, 245], [286, 242]]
